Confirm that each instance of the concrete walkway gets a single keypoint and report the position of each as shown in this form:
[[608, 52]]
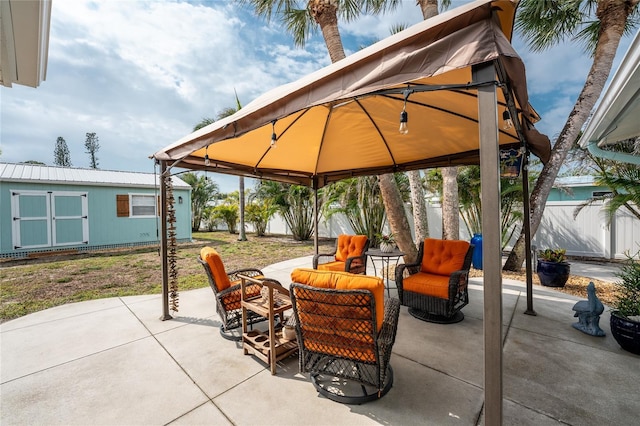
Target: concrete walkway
[[113, 362]]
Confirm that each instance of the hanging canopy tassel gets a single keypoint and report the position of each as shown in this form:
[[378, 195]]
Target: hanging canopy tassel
[[172, 257]]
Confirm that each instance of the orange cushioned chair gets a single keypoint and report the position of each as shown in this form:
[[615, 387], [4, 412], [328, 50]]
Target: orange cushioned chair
[[348, 255], [345, 333], [226, 288], [435, 287]]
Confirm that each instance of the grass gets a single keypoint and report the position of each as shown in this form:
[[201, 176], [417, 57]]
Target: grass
[[32, 285]]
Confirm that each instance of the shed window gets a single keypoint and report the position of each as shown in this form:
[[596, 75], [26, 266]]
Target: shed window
[[143, 205]]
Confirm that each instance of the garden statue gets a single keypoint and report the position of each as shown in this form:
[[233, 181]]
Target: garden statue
[[588, 313]]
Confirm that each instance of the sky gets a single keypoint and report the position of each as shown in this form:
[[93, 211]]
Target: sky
[[142, 74]]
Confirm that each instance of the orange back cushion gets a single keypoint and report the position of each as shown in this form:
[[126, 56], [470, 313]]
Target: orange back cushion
[[350, 246], [344, 281], [443, 257], [211, 256]]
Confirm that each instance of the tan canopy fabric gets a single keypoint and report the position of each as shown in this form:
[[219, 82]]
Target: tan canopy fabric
[[343, 120]]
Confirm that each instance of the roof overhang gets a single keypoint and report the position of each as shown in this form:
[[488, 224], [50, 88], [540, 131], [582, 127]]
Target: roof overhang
[[24, 41], [616, 117]]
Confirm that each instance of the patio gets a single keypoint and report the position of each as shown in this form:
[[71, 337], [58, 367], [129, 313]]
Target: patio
[[112, 361]]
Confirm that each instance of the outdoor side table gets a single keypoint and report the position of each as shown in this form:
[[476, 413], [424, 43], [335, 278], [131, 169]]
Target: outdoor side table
[[274, 300], [385, 259]]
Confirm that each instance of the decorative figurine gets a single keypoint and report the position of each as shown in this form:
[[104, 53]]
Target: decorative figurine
[[588, 313]]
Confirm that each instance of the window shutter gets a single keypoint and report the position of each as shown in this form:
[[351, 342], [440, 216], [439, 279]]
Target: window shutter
[[122, 205]]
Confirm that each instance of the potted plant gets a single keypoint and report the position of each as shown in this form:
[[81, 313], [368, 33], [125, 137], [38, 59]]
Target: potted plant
[[387, 242], [553, 268], [625, 318]]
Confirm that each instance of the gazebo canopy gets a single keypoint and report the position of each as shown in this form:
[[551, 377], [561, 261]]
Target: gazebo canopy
[[343, 120]]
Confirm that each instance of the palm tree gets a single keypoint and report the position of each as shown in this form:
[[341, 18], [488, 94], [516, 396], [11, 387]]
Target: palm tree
[[203, 190], [293, 202], [359, 200], [623, 181], [323, 14], [544, 24]]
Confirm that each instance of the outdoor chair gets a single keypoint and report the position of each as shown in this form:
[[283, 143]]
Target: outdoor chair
[[435, 286], [345, 332], [348, 255], [226, 288]]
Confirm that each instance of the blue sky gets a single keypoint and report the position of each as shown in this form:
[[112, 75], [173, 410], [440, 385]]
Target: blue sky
[[141, 74]]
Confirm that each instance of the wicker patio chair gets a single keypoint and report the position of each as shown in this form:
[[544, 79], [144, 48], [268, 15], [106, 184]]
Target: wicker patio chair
[[348, 255], [435, 286], [226, 288], [342, 343]]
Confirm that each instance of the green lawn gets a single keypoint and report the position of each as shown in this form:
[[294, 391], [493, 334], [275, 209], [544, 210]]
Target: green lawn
[[32, 285]]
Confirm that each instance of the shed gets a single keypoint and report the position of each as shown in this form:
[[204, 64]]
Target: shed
[[576, 188], [48, 209]]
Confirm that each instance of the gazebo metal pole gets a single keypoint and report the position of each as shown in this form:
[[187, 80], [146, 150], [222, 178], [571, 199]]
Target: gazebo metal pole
[[316, 240], [491, 245], [527, 231], [163, 242]]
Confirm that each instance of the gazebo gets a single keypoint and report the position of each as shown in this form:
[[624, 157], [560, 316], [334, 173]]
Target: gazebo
[[454, 81]]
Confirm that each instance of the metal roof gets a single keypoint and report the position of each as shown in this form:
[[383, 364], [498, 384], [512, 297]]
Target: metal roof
[[575, 181], [68, 175]]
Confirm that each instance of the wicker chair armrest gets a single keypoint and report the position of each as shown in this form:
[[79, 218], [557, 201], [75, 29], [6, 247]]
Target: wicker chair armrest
[[362, 257], [251, 272], [221, 294], [387, 334], [411, 268], [321, 258], [458, 280]]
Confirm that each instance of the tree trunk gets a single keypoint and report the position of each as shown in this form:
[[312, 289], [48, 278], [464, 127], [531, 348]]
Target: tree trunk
[[396, 216], [613, 16], [450, 204], [325, 13], [429, 8], [420, 219], [243, 235]]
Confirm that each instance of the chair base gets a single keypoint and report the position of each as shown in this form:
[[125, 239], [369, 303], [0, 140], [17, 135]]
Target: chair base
[[437, 319], [234, 334], [346, 391]]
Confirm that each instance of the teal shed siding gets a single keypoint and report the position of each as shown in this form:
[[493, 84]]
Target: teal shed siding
[[105, 228], [575, 193]]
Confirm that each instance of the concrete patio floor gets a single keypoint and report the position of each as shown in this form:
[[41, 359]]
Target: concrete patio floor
[[113, 362]]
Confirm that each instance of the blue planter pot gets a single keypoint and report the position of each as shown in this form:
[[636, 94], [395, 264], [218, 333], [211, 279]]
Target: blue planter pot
[[553, 274], [626, 332], [476, 259]]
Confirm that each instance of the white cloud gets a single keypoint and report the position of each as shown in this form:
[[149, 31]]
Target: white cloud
[[141, 74]]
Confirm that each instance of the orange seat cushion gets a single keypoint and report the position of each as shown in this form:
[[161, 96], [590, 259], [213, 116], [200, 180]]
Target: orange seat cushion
[[344, 281], [427, 284], [442, 257], [350, 246], [332, 266], [313, 278], [211, 256]]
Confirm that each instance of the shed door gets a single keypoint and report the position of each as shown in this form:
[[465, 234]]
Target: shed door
[[49, 219], [70, 218], [31, 214]]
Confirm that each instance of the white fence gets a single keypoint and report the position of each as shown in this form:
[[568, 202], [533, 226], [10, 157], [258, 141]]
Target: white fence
[[588, 235]]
